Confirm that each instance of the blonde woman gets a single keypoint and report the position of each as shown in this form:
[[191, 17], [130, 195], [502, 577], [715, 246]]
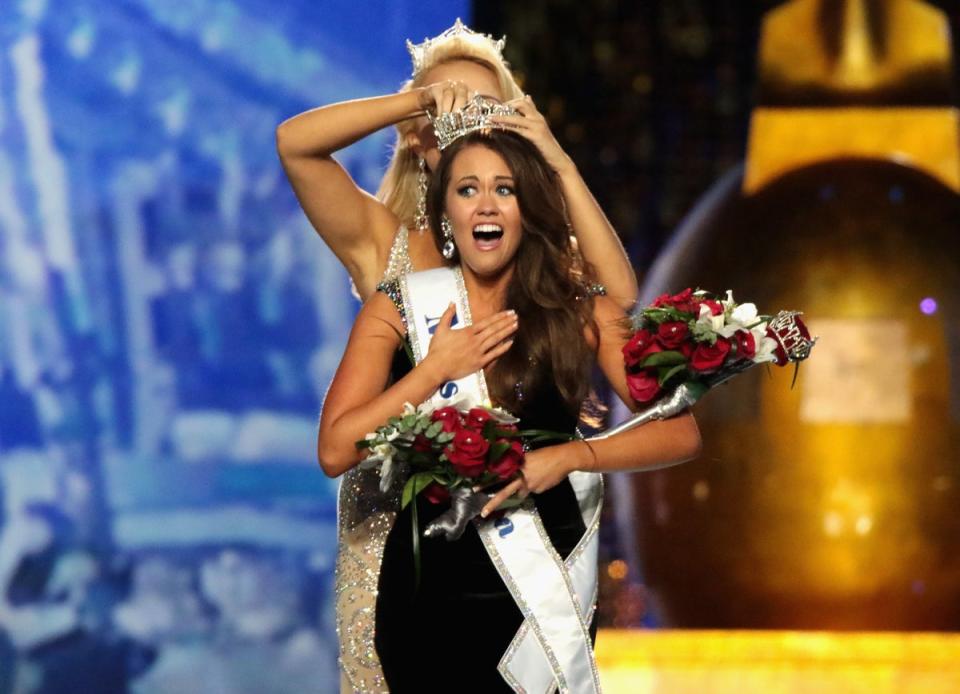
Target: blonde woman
[[379, 237]]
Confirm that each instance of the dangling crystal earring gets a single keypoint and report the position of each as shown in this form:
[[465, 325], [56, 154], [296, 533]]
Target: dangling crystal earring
[[420, 220], [448, 247]]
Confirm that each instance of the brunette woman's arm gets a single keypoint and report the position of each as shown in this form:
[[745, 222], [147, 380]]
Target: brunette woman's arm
[[359, 399], [650, 446]]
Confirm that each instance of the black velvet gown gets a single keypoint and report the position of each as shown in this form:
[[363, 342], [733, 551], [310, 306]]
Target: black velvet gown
[[450, 633]]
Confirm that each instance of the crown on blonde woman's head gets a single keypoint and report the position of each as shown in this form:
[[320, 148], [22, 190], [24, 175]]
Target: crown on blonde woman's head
[[420, 51], [475, 116]]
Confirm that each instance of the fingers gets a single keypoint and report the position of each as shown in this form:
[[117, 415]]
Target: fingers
[[493, 319], [451, 95], [518, 486], [447, 318], [498, 351], [511, 122], [496, 334], [525, 106], [460, 95]]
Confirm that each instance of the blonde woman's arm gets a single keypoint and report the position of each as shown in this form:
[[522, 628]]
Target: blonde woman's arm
[[356, 226], [596, 237]]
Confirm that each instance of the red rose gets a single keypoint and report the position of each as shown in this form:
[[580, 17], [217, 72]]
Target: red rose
[[707, 357], [448, 417], [685, 301], [509, 462], [746, 344], [662, 300], [686, 349], [643, 386], [436, 493], [672, 334], [476, 418], [468, 452], [421, 444], [716, 308], [640, 345]]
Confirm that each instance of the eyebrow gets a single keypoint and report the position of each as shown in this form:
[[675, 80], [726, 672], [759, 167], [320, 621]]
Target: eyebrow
[[474, 177]]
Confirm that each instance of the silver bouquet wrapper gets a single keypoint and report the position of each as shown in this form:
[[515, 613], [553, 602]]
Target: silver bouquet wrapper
[[465, 505]]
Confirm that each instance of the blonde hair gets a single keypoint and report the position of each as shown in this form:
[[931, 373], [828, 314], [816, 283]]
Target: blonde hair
[[398, 190]]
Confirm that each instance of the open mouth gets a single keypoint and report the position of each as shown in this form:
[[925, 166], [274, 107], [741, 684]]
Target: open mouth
[[487, 236]]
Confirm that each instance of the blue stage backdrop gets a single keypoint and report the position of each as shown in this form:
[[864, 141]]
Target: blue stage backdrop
[[168, 325]]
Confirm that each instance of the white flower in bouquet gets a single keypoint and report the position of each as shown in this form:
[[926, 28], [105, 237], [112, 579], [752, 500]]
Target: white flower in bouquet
[[710, 321]]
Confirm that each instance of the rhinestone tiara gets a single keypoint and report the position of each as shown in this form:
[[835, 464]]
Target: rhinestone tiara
[[474, 116], [419, 51]]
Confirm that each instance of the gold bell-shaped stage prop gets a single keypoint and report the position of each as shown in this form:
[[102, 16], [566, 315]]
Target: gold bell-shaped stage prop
[[832, 506]]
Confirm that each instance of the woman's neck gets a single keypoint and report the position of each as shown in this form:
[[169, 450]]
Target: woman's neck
[[487, 294]]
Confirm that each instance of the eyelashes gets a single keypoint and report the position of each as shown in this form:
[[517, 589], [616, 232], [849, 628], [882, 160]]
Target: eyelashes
[[469, 191]]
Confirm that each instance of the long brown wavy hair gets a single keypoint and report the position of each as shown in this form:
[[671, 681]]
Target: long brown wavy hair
[[548, 286]]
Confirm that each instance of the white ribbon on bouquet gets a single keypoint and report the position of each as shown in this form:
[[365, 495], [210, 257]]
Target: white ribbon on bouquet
[[552, 649]]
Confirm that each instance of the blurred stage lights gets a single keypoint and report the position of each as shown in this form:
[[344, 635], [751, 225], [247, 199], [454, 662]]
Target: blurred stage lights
[[928, 306], [617, 569]]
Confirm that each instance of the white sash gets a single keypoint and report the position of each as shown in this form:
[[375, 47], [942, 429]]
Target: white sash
[[552, 648]]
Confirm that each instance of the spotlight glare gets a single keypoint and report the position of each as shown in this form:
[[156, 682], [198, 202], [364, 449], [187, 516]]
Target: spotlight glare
[[928, 306]]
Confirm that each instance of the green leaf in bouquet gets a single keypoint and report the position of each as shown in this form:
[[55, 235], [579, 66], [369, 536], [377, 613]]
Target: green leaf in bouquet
[[444, 476], [408, 421], [665, 358], [416, 484], [497, 450], [668, 372], [703, 333], [393, 422], [363, 443], [419, 426], [697, 388], [488, 430], [434, 429], [419, 459], [796, 372], [663, 314], [445, 437]]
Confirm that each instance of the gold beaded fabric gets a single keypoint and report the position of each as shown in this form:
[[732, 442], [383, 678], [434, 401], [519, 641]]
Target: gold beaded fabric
[[364, 518]]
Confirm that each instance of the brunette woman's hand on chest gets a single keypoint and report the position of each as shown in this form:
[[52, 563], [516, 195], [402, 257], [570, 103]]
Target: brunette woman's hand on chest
[[455, 353]]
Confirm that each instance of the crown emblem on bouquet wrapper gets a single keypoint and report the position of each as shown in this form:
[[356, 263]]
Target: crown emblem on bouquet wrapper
[[420, 51], [475, 116], [793, 339]]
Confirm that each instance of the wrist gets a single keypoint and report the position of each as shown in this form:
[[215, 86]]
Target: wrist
[[566, 168], [584, 458], [421, 100], [434, 371]]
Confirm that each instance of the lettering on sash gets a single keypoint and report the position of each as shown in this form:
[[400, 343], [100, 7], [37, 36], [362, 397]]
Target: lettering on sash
[[504, 526], [432, 323], [448, 390]]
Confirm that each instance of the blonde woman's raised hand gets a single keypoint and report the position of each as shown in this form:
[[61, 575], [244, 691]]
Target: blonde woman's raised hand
[[455, 353], [443, 97], [533, 126]]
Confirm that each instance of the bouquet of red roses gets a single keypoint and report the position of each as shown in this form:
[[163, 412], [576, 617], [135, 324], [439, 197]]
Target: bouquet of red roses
[[445, 454], [685, 344]]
